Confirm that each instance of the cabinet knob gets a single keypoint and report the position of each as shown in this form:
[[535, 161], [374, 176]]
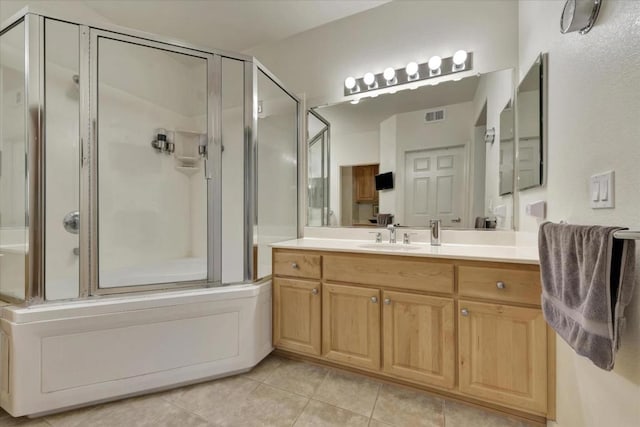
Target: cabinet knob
[[387, 301], [464, 312], [294, 265], [374, 300], [500, 285], [314, 291]]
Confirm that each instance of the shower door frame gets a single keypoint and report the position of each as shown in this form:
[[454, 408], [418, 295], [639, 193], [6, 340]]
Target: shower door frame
[[89, 247]]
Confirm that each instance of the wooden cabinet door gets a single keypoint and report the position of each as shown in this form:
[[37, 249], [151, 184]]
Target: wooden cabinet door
[[503, 355], [365, 183], [419, 338], [296, 315], [351, 325]]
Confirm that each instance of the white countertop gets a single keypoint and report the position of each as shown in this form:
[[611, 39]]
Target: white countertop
[[493, 253]]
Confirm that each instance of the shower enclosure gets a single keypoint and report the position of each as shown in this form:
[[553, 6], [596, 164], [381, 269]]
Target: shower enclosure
[[131, 163], [318, 157]]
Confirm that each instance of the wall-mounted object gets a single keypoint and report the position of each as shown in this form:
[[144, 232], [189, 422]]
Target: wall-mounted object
[[490, 136], [190, 148], [537, 209], [579, 15], [160, 142], [412, 72]]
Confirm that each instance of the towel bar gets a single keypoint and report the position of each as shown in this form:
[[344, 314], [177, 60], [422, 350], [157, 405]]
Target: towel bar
[[627, 235]]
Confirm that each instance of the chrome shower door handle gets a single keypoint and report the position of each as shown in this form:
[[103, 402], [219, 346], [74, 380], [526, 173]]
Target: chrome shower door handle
[[71, 222]]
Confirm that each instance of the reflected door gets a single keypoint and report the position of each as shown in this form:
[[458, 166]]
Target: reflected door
[[150, 107], [434, 186]]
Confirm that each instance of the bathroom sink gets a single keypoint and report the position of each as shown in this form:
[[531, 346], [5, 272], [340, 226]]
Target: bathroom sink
[[389, 246]]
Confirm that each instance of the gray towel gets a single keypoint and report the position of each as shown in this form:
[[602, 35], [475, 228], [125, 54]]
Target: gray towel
[[587, 281]]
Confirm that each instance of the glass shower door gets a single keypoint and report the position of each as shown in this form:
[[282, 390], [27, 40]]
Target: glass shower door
[[151, 117]]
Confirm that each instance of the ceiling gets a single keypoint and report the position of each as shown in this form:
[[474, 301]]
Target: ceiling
[[233, 25]]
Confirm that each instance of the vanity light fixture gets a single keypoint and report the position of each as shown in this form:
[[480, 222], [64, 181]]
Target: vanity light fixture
[[412, 70], [351, 84], [435, 62], [391, 78], [370, 80], [389, 75], [459, 59]]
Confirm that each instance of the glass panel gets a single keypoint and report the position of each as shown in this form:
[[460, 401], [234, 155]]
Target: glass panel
[[316, 188], [232, 170], [277, 186], [152, 196], [13, 157], [530, 144], [62, 153]]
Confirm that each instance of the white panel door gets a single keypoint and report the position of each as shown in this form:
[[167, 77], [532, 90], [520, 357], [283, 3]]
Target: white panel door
[[434, 187]]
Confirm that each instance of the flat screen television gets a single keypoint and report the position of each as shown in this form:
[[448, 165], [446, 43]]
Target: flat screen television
[[384, 181]]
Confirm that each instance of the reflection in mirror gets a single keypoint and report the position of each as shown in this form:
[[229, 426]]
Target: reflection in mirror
[[507, 142], [530, 127], [318, 169], [416, 155]]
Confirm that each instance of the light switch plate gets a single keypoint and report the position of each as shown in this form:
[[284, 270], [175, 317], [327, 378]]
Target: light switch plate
[[601, 190]]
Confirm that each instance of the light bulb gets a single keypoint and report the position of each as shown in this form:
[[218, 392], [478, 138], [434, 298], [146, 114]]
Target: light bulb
[[460, 57], [434, 63], [411, 69], [369, 79], [350, 83], [389, 74]]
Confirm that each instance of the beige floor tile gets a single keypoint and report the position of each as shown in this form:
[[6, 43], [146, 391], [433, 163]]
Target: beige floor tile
[[376, 423], [213, 398], [318, 414], [22, 422], [401, 406], [460, 415], [297, 377], [353, 392], [265, 368], [265, 406]]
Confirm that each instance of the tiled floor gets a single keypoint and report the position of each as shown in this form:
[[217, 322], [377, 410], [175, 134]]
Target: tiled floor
[[278, 392]]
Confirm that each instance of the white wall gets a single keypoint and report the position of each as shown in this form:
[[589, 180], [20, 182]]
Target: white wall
[[496, 89], [594, 105], [317, 61]]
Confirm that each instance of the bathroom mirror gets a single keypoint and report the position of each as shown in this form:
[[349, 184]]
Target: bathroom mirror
[[530, 108], [412, 156], [507, 145]]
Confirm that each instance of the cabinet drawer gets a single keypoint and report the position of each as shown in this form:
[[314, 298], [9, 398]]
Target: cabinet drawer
[[504, 284], [390, 272], [297, 264]]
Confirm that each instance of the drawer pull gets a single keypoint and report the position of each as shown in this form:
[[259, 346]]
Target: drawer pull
[[464, 312], [500, 285], [374, 300], [314, 291], [387, 301], [294, 265]]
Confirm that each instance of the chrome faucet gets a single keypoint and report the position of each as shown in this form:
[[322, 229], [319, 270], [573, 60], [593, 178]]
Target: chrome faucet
[[392, 233], [435, 225]]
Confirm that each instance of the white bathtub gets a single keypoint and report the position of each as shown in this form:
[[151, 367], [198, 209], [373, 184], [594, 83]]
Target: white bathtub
[[62, 355]]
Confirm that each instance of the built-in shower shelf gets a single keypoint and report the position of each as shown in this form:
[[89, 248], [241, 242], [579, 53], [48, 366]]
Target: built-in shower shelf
[[188, 159], [188, 170]]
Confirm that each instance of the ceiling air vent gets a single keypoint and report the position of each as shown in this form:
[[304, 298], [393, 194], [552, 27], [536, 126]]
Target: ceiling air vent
[[434, 116]]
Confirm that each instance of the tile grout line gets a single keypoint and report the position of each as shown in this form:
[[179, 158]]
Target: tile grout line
[[375, 403], [301, 412]]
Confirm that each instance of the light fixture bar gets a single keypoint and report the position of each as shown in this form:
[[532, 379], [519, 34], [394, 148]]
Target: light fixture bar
[[401, 77]]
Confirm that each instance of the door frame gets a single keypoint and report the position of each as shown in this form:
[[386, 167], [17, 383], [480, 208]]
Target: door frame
[[89, 209]]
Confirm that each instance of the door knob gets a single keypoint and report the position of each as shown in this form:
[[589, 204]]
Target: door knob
[[71, 222], [374, 300], [464, 312], [387, 301], [294, 265], [314, 291], [500, 285]]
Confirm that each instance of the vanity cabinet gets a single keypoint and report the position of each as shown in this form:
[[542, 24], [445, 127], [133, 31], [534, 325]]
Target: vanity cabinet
[[503, 354], [469, 329], [419, 338], [296, 315], [351, 325]]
